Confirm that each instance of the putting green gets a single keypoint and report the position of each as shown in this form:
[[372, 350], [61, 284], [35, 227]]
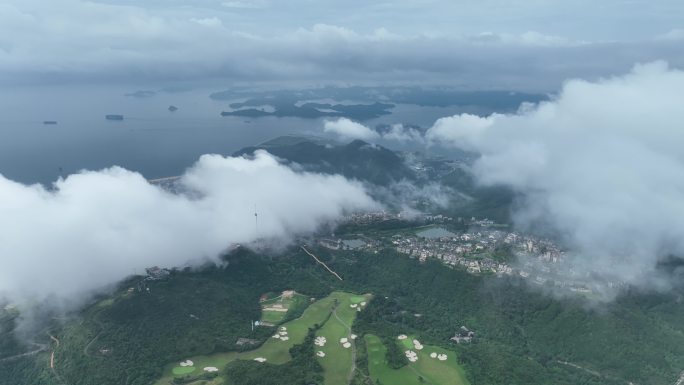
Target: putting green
[[183, 370], [430, 369], [216, 360], [408, 343], [357, 299]]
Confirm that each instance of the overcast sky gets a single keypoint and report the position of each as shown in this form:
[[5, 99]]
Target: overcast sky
[[533, 44]]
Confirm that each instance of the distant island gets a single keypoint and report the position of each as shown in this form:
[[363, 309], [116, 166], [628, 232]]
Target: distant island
[[362, 103], [114, 117], [141, 94], [287, 107]]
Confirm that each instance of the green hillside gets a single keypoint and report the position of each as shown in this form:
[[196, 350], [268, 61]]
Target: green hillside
[[356, 160], [522, 336]]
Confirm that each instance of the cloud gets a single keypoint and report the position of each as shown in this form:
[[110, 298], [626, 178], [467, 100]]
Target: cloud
[[208, 21], [410, 197], [244, 4], [153, 42], [349, 129], [674, 34], [459, 130], [601, 165], [94, 228], [401, 133]]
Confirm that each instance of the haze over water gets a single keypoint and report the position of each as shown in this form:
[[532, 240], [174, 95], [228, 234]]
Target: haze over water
[[151, 140]]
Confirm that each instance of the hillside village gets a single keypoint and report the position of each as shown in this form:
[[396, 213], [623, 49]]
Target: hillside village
[[485, 248]]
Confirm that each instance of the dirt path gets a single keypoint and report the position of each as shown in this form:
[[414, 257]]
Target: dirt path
[[320, 262], [419, 374], [87, 347], [41, 348], [680, 380], [52, 359], [595, 373], [599, 375], [52, 355]]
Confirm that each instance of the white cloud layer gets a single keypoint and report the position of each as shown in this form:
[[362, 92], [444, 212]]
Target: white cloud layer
[[94, 228], [154, 42], [602, 165], [348, 129]]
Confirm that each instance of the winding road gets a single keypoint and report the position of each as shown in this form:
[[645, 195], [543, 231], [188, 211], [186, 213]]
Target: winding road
[[52, 359]]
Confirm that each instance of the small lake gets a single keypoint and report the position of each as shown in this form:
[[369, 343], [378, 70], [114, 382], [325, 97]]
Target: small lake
[[435, 232], [353, 243]]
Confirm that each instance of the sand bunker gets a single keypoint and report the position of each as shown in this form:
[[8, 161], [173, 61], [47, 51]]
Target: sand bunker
[[320, 354], [353, 306], [260, 359], [433, 355], [417, 345], [402, 337], [354, 336], [411, 355], [282, 334], [346, 345], [211, 369], [320, 341], [442, 357], [187, 363], [343, 340]]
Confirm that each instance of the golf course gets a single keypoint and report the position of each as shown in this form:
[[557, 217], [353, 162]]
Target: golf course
[[334, 349], [333, 314], [433, 365]]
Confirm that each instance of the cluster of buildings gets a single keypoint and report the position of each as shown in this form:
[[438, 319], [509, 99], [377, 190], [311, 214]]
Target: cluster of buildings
[[482, 249], [486, 249], [463, 335], [366, 218], [369, 217], [155, 273]]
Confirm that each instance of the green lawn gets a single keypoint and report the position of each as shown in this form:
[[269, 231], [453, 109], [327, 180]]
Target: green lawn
[[275, 317], [407, 343], [276, 351], [183, 370], [337, 362], [200, 362], [432, 371]]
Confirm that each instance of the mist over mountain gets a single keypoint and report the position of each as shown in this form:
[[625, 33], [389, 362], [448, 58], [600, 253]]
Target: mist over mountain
[[357, 160], [92, 229], [600, 166], [265, 192]]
